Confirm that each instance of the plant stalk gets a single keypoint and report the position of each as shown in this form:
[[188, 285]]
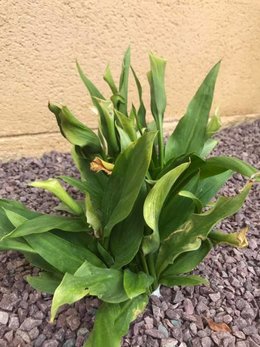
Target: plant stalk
[[161, 141]]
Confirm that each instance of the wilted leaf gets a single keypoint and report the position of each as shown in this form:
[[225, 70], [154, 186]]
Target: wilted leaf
[[218, 327], [98, 165]]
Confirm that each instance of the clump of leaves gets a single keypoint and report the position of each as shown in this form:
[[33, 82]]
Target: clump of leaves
[[147, 218]]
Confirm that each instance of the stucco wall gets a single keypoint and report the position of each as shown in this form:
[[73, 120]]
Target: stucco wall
[[40, 39]]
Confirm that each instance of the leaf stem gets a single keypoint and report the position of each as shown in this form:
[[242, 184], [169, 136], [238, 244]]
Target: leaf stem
[[151, 266]]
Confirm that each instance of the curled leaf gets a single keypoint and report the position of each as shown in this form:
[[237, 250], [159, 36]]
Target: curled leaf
[[237, 239], [218, 327], [98, 165]]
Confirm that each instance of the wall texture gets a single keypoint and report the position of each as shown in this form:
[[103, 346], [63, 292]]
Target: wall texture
[[40, 40]]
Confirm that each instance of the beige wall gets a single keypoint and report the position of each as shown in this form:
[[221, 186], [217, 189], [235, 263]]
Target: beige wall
[[40, 39]]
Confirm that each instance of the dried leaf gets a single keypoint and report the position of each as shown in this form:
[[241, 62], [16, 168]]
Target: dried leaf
[[218, 327], [100, 165]]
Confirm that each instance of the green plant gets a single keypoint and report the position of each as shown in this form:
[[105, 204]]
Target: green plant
[[143, 221]]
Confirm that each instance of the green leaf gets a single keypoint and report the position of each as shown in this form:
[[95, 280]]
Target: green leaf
[[123, 83], [193, 197], [15, 218], [189, 237], [113, 320], [45, 223], [188, 261], [93, 91], [127, 124], [5, 225], [217, 165], [214, 125], [154, 203], [16, 245], [76, 132], [105, 255], [65, 256], [136, 284], [126, 180], [45, 282], [190, 134], [208, 147], [81, 186], [208, 187], [141, 113], [192, 280], [106, 284], [157, 76], [53, 185], [177, 209], [18, 208], [126, 237], [110, 81]]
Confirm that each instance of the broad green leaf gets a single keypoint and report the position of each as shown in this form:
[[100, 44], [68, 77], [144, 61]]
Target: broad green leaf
[[136, 284], [217, 165], [65, 256], [141, 110], [208, 187], [188, 261], [153, 206], [123, 83], [157, 66], [16, 245], [124, 184], [113, 320], [45, 282], [192, 280], [106, 284], [36, 260], [53, 185], [190, 134], [126, 236], [76, 132], [45, 223], [193, 197], [177, 209], [208, 147], [5, 225], [189, 237], [18, 208], [110, 81], [125, 140], [15, 218], [236, 239]]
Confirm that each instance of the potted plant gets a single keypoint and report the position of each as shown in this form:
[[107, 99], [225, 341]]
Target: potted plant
[[147, 218]]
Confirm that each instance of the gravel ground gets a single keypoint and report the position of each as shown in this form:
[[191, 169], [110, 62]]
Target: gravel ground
[[178, 318]]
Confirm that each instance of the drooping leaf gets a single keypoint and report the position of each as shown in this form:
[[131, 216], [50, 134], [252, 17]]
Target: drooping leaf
[[18, 208], [217, 165], [189, 237], [236, 239], [192, 280], [53, 185], [65, 256], [188, 261], [45, 282], [15, 218], [107, 284], [76, 132], [190, 134], [16, 245], [45, 223], [113, 320], [124, 184], [74, 182], [154, 203]]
